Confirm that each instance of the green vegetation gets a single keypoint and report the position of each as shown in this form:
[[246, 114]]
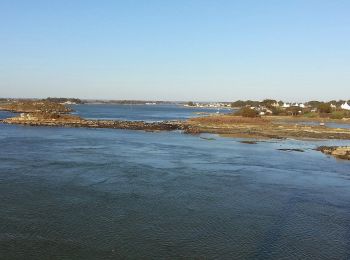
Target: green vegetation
[[324, 108], [311, 114], [269, 103], [340, 114], [240, 103], [247, 112], [294, 111], [63, 100], [277, 111], [314, 103]]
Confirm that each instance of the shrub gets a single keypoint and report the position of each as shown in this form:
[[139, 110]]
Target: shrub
[[278, 111], [311, 115], [294, 111], [247, 112], [268, 103], [340, 114], [337, 115], [325, 108]]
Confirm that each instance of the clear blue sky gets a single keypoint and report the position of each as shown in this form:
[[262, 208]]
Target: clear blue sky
[[175, 49]]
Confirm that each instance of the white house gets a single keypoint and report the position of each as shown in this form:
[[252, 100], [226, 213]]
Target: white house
[[301, 105], [285, 105], [345, 106]]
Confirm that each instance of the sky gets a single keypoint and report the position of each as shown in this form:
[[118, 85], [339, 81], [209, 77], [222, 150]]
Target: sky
[[200, 50]]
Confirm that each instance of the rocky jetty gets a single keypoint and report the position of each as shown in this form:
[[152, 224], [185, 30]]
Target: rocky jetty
[[47, 113], [39, 119], [340, 152]]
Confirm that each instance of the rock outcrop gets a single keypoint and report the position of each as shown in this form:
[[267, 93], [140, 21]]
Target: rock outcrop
[[35, 107], [43, 119], [340, 152]]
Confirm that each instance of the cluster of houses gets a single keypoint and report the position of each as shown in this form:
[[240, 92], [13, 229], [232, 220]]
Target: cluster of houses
[[286, 105], [208, 105], [345, 106], [263, 110]]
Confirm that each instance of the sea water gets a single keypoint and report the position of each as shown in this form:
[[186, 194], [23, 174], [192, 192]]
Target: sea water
[[76, 193]]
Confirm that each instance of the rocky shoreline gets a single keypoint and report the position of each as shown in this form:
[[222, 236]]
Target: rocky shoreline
[[73, 121], [339, 152]]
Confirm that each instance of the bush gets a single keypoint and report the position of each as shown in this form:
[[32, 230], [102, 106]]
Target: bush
[[294, 111], [247, 112], [340, 114], [269, 103], [325, 108], [337, 115], [311, 115], [278, 111]]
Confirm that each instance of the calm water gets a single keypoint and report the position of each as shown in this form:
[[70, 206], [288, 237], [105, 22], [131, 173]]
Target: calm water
[[4, 114], [326, 124], [149, 113], [109, 194]]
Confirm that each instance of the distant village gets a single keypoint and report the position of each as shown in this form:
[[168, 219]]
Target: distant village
[[334, 109]]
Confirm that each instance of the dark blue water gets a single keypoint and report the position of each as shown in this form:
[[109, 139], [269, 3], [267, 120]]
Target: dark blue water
[[5, 114], [148, 113], [110, 194]]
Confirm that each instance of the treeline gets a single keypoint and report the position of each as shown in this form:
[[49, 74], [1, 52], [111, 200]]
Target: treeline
[[63, 100], [336, 103], [253, 103]]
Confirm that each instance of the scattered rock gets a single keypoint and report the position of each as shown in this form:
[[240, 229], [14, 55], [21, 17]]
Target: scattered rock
[[206, 138], [248, 142], [340, 152], [291, 150]]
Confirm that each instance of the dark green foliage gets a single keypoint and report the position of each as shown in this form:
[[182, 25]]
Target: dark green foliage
[[268, 103], [62, 100], [340, 114], [324, 108], [247, 112], [314, 103], [240, 103], [294, 111]]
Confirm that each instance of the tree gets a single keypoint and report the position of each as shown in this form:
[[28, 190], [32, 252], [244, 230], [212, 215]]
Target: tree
[[190, 103], [248, 112], [314, 103], [325, 108], [294, 111], [268, 103]]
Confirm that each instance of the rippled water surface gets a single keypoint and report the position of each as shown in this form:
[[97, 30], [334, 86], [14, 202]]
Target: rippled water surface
[[327, 124], [108, 194], [142, 112]]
